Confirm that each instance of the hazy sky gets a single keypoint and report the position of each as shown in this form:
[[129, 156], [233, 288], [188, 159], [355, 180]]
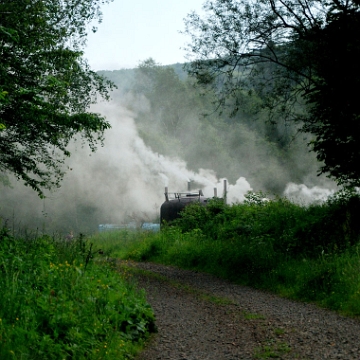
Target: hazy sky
[[134, 30]]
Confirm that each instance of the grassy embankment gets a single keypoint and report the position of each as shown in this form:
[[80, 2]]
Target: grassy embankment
[[57, 303], [304, 253]]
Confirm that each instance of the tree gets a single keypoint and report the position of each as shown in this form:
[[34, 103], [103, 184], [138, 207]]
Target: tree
[[300, 57], [46, 87], [166, 93]]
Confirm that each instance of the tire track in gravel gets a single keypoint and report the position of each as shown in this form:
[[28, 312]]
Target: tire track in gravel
[[200, 317]]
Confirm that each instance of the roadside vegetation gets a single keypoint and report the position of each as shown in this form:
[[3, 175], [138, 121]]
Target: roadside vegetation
[[57, 301], [307, 253]]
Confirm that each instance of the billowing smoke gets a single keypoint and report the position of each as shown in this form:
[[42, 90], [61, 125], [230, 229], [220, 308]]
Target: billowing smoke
[[303, 195], [123, 181]]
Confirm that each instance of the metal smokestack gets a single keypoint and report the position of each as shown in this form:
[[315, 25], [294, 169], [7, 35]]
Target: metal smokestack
[[166, 194], [189, 186], [215, 192], [225, 190]]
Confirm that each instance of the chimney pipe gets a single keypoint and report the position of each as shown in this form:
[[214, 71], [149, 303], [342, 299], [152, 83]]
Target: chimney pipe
[[225, 191], [189, 186], [215, 192], [166, 194]]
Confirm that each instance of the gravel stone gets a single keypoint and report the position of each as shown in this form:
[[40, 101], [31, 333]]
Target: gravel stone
[[254, 324]]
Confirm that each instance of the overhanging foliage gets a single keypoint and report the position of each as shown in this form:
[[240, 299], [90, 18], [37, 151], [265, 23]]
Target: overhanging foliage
[[46, 87], [299, 56]]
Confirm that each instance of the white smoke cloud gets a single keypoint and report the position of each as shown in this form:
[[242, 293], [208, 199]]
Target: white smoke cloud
[[149, 172], [303, 195], [124, 179], [236, 192]]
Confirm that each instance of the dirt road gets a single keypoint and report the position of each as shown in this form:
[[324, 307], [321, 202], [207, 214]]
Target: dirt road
[[200, 317]]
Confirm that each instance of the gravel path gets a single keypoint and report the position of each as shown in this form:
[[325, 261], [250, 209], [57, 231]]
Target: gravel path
[[200, 317]]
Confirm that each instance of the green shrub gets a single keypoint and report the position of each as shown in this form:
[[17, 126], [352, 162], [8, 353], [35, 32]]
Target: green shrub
[[307, 253], [56, 303]]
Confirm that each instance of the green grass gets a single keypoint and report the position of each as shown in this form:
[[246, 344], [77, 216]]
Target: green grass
[[272, 350], [200, 294], [253, 316], [116, 243], [57, 303], [304, 253]]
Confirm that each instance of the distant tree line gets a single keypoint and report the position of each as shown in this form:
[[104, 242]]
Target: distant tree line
[[181, 120]]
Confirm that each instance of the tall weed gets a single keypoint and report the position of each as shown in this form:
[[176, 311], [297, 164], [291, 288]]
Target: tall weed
[[56, 303]]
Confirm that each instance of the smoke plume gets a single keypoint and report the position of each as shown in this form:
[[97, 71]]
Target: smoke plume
[[303, 195], [121, 182]]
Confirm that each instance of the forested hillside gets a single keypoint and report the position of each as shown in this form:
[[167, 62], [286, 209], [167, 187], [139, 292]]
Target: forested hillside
[[179, 119]]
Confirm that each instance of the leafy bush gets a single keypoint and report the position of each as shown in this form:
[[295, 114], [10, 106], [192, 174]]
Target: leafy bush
[[308, 253], [57, 303], [294, 230]]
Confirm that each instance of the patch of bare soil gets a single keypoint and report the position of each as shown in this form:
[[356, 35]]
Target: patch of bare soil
[[200, 317]]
